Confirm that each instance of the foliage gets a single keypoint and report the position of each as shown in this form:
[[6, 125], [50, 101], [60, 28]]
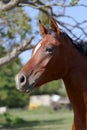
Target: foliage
[[54, 87], [8, 94], [14, 27], [74, 2], [10, 122], [44, 18]]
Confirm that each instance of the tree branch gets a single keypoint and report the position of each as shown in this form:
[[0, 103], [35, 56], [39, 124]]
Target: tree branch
[[10, 5], [35, 4], [25, 46]]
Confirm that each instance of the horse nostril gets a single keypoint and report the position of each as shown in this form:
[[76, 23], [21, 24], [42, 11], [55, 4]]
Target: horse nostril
[[22, 79]]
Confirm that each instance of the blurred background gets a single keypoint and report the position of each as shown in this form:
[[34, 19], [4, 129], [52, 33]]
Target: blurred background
[[47, 107]]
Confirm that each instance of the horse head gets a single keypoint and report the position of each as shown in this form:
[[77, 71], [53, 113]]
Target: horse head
[[45, 63]]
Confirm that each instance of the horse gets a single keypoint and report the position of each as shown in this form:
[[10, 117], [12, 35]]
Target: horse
[[57, 56]]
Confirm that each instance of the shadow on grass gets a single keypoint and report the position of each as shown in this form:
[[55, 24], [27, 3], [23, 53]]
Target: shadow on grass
[[19, 123]]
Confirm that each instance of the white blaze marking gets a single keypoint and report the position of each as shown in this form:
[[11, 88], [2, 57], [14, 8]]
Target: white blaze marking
[[37, 47]]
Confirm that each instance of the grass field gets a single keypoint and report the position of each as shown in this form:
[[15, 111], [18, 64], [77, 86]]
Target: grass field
[[43, 118]]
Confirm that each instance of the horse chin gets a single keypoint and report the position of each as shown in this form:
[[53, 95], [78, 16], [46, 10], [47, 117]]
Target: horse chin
[[33, 82], [28, 88], [31, 87], [34, 85]]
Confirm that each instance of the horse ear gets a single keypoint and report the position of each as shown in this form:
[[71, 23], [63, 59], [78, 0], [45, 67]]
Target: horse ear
[[53, 25], [43, 30]]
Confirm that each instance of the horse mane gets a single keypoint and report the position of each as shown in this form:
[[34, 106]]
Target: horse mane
[[80, 45]]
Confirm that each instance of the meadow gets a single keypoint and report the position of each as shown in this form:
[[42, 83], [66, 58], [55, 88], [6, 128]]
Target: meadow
[[43, 118]]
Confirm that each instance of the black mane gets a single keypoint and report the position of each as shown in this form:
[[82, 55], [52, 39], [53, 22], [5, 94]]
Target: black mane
[[80, 45]]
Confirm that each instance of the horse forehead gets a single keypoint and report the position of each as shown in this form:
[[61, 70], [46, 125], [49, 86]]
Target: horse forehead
[[37, 47], [43, 42]]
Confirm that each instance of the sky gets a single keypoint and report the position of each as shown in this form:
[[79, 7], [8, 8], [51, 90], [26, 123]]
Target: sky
[[79, 13]]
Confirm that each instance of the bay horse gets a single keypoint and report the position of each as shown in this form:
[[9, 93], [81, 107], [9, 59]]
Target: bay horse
[[55, 57]]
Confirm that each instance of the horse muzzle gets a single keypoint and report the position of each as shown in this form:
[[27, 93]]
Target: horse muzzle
[[22, 83]]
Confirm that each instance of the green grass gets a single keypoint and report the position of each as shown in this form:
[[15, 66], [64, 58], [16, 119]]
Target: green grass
[[43, 118]]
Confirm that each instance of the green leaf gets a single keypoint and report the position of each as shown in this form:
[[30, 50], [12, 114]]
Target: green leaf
[[73, 2]]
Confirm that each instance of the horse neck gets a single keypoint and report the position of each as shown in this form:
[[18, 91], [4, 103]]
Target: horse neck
[[76, 85], [75, 61], [76, 66]]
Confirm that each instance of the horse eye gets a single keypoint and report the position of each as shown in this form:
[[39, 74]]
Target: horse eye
[[49, 50]]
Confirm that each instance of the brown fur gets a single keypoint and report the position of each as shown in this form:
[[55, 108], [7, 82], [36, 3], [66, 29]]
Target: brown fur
[[65, 62]]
